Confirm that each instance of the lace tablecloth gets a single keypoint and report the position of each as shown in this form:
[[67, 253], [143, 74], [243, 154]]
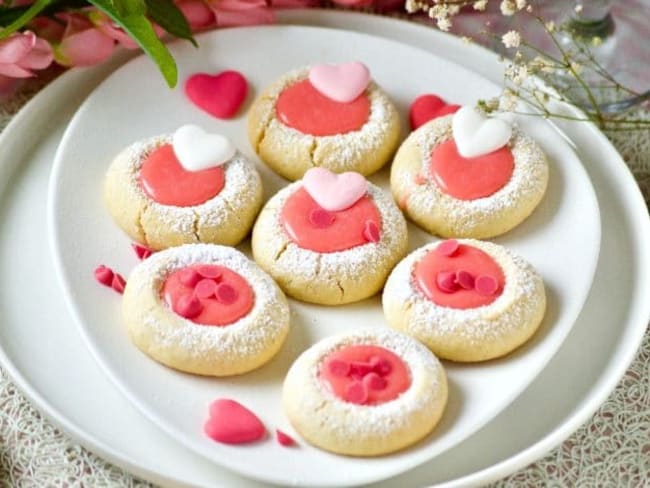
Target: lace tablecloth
[[612, 449]]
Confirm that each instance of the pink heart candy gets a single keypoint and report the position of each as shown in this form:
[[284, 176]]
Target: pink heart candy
[[371, 232], [220, 95], [446, 281], [141, 251], [448, 247], [320, 218], [188, 306], [284, 439], [205, 288], [381, 366], [226, 294], [334, 192], [465, 279], [486, 285], [209, 271], [189, 277], [356, 392], [340, 82], [232, 423], [104, 275], [374, 382], [118, 283], [338, 367]]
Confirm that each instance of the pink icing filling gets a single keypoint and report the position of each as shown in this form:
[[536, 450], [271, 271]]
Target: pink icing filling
[[208, 294], [459, 276], [365, 375], [304, 108], [312, 227], [470, 178], [165, 181], [232, 423]]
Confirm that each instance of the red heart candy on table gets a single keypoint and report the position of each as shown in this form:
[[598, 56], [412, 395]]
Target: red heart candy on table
[[232, 423], [428, 107], [220, 95]]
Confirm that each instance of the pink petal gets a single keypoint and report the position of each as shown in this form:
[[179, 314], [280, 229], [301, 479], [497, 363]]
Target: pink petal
[[237, 5], [247, 17], [14, 71], [15, 47], [296, 3], [197, 13], [48, 29], [85, 48], [40, 57], [75, 23]]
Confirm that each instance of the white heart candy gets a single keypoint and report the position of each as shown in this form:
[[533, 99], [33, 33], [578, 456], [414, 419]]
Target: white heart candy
[[197, 150], [476, 134]]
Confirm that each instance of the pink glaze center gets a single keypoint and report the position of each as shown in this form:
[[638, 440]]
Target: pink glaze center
[[165, 181], [304, 108], [311, 227], [470, 178], [459, 276], [365, 375], [208, 294]]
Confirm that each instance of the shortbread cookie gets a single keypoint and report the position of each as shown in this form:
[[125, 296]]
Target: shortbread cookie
[[190, 187], [330, 239], [467, 300], [329, 116], [365, 393], [481, 195], [205, 309]]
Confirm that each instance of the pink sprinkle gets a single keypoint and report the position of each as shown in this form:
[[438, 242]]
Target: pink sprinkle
[[465, 279], [371, 231], [118, 283], [448, 247], [321, 218], [419, 179], [208, 271], [189, 277], [446, 281], [381, 366], [284, 439], [374, 382], [360, 369], [356, 392], [205, 288], [226, 294], [141, 251], [338, 367], [188, 306], [486, 285], [104, 275]]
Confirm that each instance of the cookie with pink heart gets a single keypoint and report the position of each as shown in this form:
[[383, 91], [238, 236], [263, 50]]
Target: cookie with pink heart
[[469, 175], [332, 116], [185, 187], [329, 238]]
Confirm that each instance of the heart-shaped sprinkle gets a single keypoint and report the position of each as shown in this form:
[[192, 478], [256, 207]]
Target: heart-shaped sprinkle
[[381, 366], [226, 294], [284, 439], [446, 281], [197, 150], [448, 247], [340, 82], [371, 232], [486, 285], [428, 107], [465, 279], [220, 95], [334, 192], [356, 392], [189, 277], [205, 288], [188, 306], [104, 275], [321, 218], [208, 271], [118, 283], [338, 367], [359, 368], [141, 251], [374, 382], [232, 423], [476, 135]]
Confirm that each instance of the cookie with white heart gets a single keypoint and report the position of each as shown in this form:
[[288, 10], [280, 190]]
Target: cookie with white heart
[[330, 116], [467, 300], [182, 188], [367, 392], [330, 238], [465, 175], [205, 309]]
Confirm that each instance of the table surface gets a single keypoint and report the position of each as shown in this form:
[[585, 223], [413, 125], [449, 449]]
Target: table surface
[[612, 448]]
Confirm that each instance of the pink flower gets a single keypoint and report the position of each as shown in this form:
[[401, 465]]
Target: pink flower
[[197, 13], [231, 13], [108, 27], [23, 52], [82, 44], [296, 3]]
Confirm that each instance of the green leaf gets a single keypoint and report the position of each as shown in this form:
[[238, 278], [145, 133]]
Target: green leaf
[[168, 16], [129, 7], [140, 29], [25, 17]]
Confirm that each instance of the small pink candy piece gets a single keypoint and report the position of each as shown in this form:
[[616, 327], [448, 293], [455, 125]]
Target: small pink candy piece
[[486, 285], [284, 439], [356, 392], [205, 288], [118, 283], [104, 275], [446, 281], [209, 272], [141, 251], [226, 294], [360, 369], [465, 279], [374, 382], [380, 365], [338, 367], [189, 277], [448, 247], [419, 179], [188, 306], [232, 423], [371, 231], [321, 218]]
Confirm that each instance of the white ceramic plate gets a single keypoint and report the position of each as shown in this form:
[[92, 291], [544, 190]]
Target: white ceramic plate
[[133, 103]]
